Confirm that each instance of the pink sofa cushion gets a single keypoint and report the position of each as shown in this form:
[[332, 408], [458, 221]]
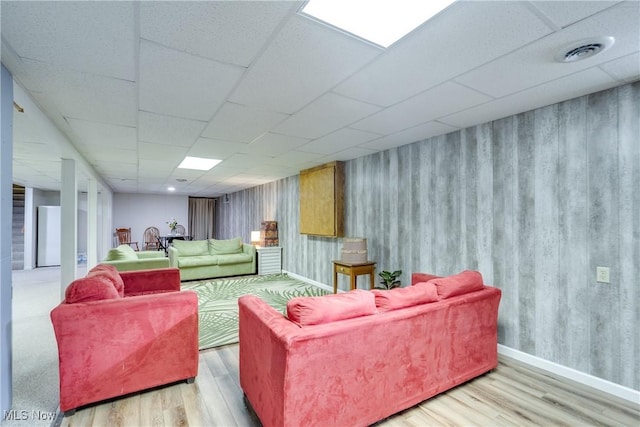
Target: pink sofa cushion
[[458, 284], [422, 277], [111, 273], [405, 297], [306, 311], [87, 289]]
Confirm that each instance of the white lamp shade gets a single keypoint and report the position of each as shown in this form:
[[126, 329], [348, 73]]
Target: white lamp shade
[[255, 237]]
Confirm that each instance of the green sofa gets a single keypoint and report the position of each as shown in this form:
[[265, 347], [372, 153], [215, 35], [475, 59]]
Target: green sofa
[[124, 258], [204, 259]]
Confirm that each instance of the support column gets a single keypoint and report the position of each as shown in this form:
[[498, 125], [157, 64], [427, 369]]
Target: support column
[[29, 229], [92, 223], [68, 224], [6, 213]]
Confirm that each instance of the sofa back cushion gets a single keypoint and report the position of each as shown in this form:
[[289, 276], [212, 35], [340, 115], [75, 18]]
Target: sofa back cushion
[[223, 247], [394, 299], [422, 277], [191, 248], [458, 284], [122, 252], [111, 273], [307, 311], [90, 288]]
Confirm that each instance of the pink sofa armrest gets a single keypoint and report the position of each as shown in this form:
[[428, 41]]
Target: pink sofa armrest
[[113, 347], [150, 281], [263, 333]]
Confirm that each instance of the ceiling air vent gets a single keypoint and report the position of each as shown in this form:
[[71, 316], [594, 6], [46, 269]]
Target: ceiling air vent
[[584, 49]]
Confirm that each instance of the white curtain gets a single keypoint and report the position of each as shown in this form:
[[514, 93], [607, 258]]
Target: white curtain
[[201, 217]]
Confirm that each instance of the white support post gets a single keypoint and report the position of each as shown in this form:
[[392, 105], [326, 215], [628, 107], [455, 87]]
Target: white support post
[[92, 223], [6, 215], [68, 224]]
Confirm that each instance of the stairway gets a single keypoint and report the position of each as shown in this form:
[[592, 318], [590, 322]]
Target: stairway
[[17, 229]]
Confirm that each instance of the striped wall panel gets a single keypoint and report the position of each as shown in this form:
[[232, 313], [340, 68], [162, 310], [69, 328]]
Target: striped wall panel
[[535, 201]]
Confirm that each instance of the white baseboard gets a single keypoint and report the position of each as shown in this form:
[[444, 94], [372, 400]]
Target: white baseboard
[[313, 282], [580, 377]]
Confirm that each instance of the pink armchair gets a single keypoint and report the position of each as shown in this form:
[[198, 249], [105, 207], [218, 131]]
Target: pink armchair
[[119, 333]]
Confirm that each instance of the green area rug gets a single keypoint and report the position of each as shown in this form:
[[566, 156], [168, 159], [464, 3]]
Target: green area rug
[[218, 302]]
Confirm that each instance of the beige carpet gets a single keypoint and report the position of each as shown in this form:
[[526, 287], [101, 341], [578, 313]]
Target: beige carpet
[[35, 354]]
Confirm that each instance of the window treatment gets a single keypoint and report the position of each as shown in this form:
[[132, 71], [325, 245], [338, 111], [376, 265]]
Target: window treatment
[[201, 217]]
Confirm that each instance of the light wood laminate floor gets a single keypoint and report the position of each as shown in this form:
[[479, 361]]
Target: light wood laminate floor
[[513, 394]]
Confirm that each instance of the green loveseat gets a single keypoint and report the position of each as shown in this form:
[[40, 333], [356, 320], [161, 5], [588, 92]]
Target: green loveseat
[[204, 259], [124, 258]]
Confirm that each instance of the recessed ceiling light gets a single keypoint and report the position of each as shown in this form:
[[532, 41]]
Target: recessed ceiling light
[[382, 22], [171, 188], [198, 163]]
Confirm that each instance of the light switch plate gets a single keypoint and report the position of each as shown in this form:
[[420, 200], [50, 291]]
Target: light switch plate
[[602, 274]]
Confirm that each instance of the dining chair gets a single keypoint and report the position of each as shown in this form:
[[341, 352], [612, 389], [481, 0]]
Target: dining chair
[[152, 238], [180, 230], [124, 238]]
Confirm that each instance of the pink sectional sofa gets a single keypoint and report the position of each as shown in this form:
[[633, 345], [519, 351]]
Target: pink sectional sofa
[[122, 332], [355, 358]]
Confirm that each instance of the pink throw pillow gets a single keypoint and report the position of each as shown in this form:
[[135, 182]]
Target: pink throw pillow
[[307, 311], [420, 293], [458, 284], [89, 289], [111, 273]]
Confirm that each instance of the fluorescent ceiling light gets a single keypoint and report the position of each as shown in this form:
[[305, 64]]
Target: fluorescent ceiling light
[[382, 22], [198, 163], [171, 188]]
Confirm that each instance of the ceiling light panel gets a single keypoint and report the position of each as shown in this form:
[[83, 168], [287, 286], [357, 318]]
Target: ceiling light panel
[[198, 163], [382, 22]]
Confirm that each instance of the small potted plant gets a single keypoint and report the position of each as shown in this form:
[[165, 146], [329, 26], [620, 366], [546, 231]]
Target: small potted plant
[[389, 279]]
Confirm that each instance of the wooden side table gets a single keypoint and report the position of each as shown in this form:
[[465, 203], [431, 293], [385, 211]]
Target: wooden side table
[[353, 270]]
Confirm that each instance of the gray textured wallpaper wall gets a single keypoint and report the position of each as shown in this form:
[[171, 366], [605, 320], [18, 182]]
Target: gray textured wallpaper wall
[[534, 201]]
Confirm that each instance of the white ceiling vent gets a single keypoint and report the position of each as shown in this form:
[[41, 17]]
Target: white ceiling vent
[[583, 49]]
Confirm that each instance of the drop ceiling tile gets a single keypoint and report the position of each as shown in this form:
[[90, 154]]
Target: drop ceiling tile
[[575, 85], [232, 32], [109, 154], [74, 94], [273, 145], [239, 162], [425, 107], [101, 40], [239, 123], [217, 149], [348, 154], [325, 115], [338, 141], [183, 85], [410, 136], [294, 158], [449, 44], [535, 64], [168, 130], [625, 69], [151, 151], [564, 13], [106, 134], [304, 60]]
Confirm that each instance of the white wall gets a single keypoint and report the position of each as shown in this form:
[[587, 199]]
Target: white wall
[[140, 211]]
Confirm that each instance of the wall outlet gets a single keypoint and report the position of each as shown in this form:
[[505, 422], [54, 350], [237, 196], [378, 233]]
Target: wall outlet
[[602, 275]]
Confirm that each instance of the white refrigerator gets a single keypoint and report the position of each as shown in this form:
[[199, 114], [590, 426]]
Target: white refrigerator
[[48, 243]]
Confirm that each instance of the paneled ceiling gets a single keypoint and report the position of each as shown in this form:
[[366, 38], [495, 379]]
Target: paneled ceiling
[[137, 86]]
